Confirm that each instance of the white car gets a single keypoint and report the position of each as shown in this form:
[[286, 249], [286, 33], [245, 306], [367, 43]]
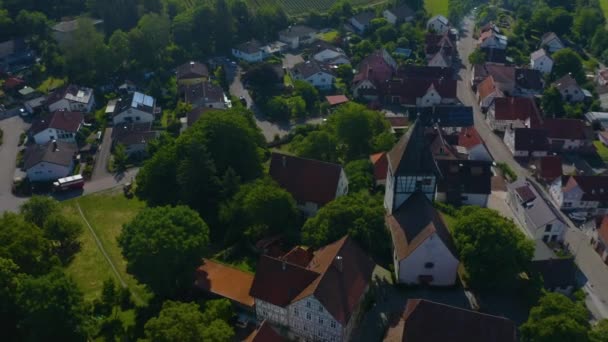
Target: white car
[[23, 112]]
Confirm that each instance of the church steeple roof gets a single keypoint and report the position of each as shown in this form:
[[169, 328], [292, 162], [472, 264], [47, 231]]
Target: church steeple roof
[[412, 154]]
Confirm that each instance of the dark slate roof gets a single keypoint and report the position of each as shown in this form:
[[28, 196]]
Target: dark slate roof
[[423, 72], [203, 93], [364, 18], [495, 55], [62, 155], [412, 154], [309, 68], [192, 70], [414, 222], [133, 133], [465, 176], [447, 116], [556, 272], [307, 180], [529, 79], [250, 47], [531, 139], [426, 321]]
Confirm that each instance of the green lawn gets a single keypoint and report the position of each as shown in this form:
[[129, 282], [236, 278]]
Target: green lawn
[[602, 150], [50, 84], [434, 7], [329, 36], [106, 212]]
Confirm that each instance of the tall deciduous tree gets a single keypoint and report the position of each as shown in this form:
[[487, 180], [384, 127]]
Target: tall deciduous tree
[[552, 102], [25, 244], [319, 145], [492, 249], [360, 174], [163, 246], [556, 318], [568, 61]]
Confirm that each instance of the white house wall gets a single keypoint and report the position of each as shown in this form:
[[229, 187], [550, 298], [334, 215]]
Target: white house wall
[[44, 171], [432, 250], [131, 115]]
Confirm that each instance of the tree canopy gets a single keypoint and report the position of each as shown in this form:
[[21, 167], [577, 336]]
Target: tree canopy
[[163, 245], [491, 248], [568, 61], [360, 175]]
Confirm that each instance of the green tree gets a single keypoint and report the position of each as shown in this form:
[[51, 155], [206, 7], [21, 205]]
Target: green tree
[[360, 175], [277, 109], [297, 107], [319, 145], [477, 57], [556, 318], [586, 22], [149, 39], [33, 23], [359, 215], [86, 54], [260, 209], [309, 94], [552, 103], [25, 244], [120, 157], [9, 283], [599, 333], [52, 308], [163, 246], [63, 234], [568, 61], [119, 48], [38, 209], [492, 249]]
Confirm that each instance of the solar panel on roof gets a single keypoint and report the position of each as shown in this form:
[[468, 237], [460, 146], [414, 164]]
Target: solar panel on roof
[[138, 98], [148, 101]]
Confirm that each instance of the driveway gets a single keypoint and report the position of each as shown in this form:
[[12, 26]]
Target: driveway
[[595, 282], [289, 60], [12, 127], [103, 156]]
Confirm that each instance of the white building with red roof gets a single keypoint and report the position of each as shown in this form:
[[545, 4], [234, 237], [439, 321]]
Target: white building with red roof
[[470, 139], [60, 125], [588, 194]]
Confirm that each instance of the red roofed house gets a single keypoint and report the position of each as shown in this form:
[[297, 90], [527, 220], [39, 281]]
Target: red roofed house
[[227, 282], [513, 112], [373, 73], [419, 324], [312, 183], [335, 100], [582, 193], [487, 92], [601, 241], [469, 139], [265, 333], [527, 142], [422, 92], [316, 301], [566, 134], [380, 164], [423, 249], [60, 126], [549, 168]]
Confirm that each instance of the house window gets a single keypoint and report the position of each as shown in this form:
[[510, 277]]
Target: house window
[[546, 238], [295, 312], [308, 316], [567, 204], [333, 324], [320, 308], [548, 228], [307, 304], [429, 265], [320, 320], [553, 238]]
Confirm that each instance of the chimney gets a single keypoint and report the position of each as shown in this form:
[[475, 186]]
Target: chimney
[[284, 161], [338, 263], [54, 145]]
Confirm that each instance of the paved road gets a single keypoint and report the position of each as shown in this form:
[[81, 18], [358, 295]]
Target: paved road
[[12, 127], [269, 129], [103, 156], [595, 279]]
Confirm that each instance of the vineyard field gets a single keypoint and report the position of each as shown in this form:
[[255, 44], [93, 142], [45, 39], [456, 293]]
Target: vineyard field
[[299, 7]]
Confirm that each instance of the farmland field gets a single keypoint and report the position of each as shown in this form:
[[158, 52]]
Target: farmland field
[[434, 7], [299, 7]]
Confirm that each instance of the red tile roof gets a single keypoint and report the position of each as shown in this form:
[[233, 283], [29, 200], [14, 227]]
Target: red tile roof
[[486, 87], [375, 69], [225, 281], [63, 120], [469, 137], [298, 256], [516, 108], [602, 232], [380, 165], [336, 99], [550, 167], [426, 321], [13, 82], [307, 180], [571, 129], [265, 333], [338, 276], [411, 89]]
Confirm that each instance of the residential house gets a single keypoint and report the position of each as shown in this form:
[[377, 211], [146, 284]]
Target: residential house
[[492, 40], [541, 61], [418, 323], [490, 27], [373, 74], [602, 77], [380, 164], [528, 82], [297, 35], [551, 42], [71, 98], [134, 136], [539, 218], [569, 89], [50, 161], [138, 108], [464, 182], [558, 273], [513, 112], [336, 100], [597, 120], [35, 105], [438, 24], [440, 59], [60, 126], [587, 194], [527, 142], [600, 241], [15, 53], [488, 92], [422, 92], [399, 14], [451, 118], [63, 31], [316, 296], [206, 94], [312, 183], [549, 169], [423, 249], [328, 54], [265, 333], [443, 45], [602, 136], [318, 75], [566, 134], [411, 168], [362, 20], [192, 73], [469, 138], [498, 56], [250, 51]]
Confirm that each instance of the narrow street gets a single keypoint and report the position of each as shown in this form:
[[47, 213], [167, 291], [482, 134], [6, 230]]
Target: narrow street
[[100, 169], [594, 279]]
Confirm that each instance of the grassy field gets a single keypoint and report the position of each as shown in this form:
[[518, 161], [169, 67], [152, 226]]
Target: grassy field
[[106, 212], [434, 7], [329, 36], [50, 84], [602, 150]]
